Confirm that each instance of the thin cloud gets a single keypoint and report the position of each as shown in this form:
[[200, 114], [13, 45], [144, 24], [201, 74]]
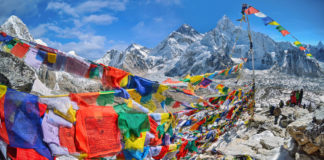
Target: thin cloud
[[87, 7], [104, 19]]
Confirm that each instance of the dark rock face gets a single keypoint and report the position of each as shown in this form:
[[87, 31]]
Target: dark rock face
[[15, 73]]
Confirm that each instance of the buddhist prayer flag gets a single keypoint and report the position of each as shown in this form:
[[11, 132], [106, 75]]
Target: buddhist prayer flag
[[93, 125], [51, 57], [260, 14], [22, 128], [302, 48], [20, 49], [297, 43], [274, 23], [251, 10], [267, 20], [284, 32]]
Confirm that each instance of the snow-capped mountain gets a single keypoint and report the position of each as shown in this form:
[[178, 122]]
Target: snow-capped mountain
[[15, 27], [134, 59], [188, 51]]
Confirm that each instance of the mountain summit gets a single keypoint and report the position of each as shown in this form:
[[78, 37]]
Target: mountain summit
[[187, 30], [15, 27]]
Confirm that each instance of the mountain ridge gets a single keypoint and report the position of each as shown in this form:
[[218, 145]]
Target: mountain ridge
[[186, 51]]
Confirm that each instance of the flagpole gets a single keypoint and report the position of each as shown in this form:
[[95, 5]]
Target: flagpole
[[252, 53]]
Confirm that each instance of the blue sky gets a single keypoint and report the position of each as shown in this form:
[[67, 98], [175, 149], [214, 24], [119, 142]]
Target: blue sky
[[91, 27]]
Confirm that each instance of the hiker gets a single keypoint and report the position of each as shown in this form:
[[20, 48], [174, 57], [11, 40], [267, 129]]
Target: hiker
[[300, 97], [271, 110], [293, 98], [276, 112], [281, 104], [297, 97], [304, 106]]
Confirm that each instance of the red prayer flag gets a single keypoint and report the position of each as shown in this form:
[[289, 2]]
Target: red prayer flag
[[302, 48], [42, 108], [20, 49], [251, 10], [176, 104], [112, 77], [22, 154], [284, 32], [66, 136], [163, 152], [97, 133], [3, 129]]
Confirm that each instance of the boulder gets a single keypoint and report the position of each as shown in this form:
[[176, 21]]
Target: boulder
[[15, 73]]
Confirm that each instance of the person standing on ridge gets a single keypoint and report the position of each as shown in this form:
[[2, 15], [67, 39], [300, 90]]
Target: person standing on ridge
[[301, 93], [297, 97], [277, 113], [293, 98], [281, 103]]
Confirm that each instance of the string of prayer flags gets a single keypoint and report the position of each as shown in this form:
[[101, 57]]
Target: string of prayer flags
[[269, 21]]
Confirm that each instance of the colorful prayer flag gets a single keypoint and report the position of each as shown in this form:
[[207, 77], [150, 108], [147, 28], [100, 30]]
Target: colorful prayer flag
[[251, 10], [260, 14], [274, 23], [284, 32], [297, 43]]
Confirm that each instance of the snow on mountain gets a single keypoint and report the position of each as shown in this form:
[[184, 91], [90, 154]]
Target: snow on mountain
[[188, 51], [39, 41], [134, 59], [15, 27]]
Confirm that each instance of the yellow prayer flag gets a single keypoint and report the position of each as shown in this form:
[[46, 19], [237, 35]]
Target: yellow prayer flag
[[135, 143], [309, 55], [149, 105], [187, 76], [129, 103], [297, 43], [69, 116], [172, 148], [241, 65], [274, 23], [124, 81], [3, 90], [194, 79], [51, 57], [135, 96], [165, 117]]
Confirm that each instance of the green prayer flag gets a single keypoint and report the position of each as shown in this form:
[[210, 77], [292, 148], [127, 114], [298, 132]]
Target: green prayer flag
[[133, 123], [104, 98], [280, 28], [191, 146], [168, 101], [160, 130], [170, 130], [123, 108]]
